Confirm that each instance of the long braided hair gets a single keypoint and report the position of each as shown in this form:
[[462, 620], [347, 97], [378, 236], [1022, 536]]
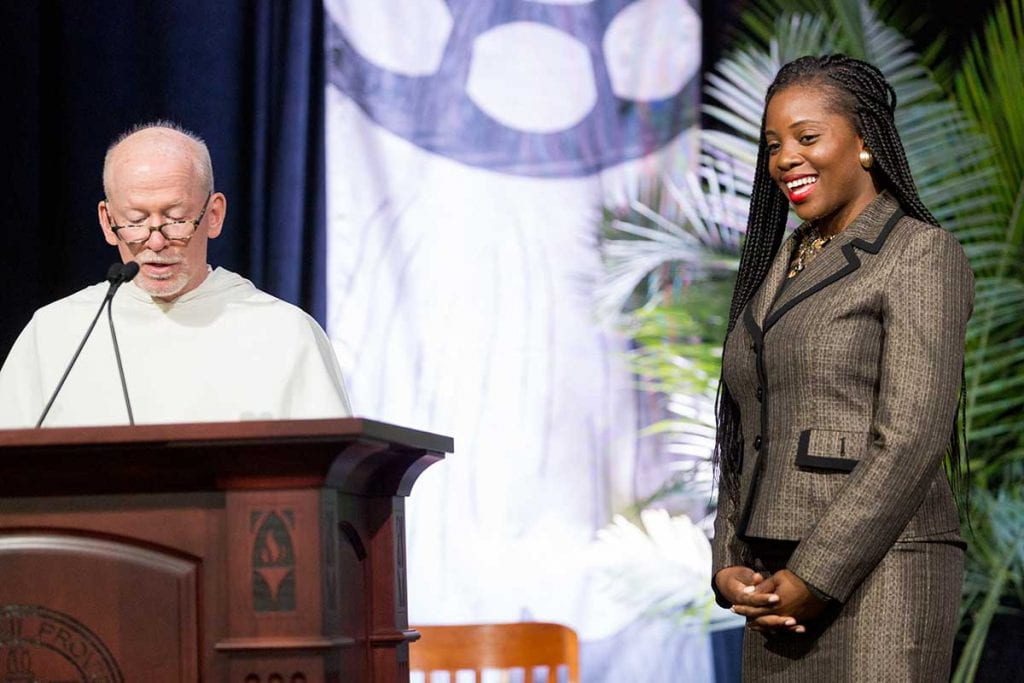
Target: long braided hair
[[858, 91]]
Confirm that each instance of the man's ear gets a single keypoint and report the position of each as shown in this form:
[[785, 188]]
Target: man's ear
[[105, 222], [217, 212]]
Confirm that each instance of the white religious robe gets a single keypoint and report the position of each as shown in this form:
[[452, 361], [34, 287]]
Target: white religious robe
[[224, 351]]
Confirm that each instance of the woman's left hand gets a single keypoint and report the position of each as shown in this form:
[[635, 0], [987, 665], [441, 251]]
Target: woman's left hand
[[796, 604]]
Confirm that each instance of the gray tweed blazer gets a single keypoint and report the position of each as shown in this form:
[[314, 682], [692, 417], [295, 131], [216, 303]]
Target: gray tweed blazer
[[847, 378]]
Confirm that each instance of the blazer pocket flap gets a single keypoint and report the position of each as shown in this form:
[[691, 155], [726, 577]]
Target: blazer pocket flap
[[830, 449]]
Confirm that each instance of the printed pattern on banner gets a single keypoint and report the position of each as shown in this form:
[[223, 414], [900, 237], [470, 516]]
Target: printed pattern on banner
[[471, 146]]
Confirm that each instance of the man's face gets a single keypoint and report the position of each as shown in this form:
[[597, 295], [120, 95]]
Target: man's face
[[153, 180]]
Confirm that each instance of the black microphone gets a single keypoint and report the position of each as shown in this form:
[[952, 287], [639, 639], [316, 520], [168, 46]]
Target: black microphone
[[122, 273], [117, 275], [125, 273]]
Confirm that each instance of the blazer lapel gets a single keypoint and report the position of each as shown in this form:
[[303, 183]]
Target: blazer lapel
[[756, 310], [867, 232], [765, 299]]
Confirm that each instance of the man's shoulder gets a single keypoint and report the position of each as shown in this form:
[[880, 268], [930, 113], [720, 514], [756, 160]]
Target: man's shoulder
[[245, 292], [85, 298], [263, 307]]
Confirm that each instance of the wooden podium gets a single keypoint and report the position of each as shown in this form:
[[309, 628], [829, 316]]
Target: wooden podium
[[249, 552]]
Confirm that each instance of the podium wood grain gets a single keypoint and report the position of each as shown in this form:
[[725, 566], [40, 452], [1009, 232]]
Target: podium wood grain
[[256, 552]]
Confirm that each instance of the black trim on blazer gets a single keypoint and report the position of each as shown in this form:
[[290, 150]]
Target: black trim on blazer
[[757, 334], [853, 263], [751, 325], [820, 461]]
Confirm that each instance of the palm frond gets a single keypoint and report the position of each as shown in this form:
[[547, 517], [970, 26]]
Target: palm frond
[[695, 237], [760, 17], [688, 230], [987, 86], [994, 568]]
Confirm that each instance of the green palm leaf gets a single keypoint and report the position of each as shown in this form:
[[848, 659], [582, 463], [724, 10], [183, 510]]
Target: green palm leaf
[[678, 244], [988, 85], [671, 241], [994, 568], [967, 157]]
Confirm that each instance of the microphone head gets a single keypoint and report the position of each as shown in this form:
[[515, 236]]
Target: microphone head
[[114, 272], [129, 271], [119, 273]]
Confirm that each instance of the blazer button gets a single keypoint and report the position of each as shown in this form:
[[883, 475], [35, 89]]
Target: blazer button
[[760, 393], [757, 442], [753, 346]]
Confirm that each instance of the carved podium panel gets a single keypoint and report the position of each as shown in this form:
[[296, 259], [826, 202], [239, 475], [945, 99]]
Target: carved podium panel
[[253, 552]]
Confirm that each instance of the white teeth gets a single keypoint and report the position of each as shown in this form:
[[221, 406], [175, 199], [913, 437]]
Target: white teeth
[[800, 182]]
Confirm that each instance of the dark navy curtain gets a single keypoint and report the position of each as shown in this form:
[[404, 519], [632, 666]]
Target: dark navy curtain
[[247, 75]]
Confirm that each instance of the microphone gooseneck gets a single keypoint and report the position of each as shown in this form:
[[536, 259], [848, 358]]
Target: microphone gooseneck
[[126, 273], [117, 275]]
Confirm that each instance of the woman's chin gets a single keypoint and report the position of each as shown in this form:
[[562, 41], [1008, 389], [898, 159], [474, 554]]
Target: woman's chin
[[805, 210]]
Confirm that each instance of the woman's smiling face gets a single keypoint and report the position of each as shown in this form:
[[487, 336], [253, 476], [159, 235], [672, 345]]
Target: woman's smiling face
[[813, 156]]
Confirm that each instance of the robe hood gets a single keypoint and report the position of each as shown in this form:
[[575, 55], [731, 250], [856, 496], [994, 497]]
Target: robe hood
[[218, 282]]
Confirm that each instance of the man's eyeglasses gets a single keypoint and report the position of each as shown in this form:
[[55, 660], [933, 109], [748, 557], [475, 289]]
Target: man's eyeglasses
[[173, 231]]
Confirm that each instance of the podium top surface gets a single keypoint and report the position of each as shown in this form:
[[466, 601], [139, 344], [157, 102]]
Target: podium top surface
[[261, 431], [357, 455]]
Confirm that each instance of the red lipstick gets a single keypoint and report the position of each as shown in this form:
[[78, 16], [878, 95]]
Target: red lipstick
[[798, 187]]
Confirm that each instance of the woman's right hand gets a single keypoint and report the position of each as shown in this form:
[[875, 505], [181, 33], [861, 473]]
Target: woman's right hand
[[738, 585]]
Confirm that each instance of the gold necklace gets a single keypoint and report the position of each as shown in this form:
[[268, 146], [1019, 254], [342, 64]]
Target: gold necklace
[[811, 242]]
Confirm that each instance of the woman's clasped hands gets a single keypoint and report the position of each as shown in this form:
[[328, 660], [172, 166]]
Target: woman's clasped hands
[[781, 602]]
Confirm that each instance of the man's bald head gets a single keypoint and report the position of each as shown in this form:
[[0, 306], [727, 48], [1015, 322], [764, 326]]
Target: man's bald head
[[157, 175], [164, 138]]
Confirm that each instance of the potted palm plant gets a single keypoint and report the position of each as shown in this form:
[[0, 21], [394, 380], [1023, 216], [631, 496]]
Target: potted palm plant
[[671, 251]]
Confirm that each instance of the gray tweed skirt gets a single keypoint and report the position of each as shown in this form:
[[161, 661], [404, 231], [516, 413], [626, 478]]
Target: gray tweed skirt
[[898, 626]]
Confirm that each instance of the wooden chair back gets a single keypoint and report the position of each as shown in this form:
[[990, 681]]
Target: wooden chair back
[[496, 646]]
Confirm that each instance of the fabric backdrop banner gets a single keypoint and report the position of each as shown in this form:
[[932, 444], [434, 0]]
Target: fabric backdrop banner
[[471, 146]]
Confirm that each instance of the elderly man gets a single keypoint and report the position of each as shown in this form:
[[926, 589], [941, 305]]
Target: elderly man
[[197, 344]]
